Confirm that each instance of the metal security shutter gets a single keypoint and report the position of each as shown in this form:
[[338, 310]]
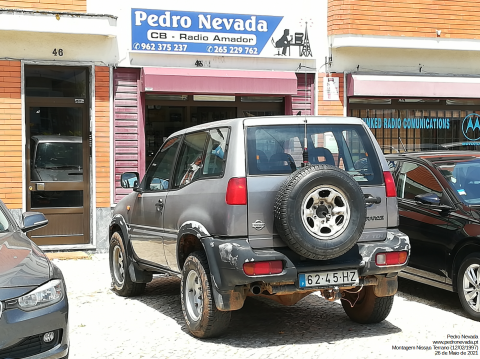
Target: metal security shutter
[[127, 125]]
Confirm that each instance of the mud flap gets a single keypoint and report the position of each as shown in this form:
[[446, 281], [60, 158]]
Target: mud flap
[[232, 300], [137, 275], [385, 286]]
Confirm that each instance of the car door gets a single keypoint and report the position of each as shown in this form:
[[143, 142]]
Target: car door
[[427, 228], [146, 223], [187, 198]]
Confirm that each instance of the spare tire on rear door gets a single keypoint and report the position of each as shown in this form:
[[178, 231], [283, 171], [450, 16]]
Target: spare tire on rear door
[[320, 212]]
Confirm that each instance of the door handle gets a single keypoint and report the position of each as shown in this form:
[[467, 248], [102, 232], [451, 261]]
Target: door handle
[[370, 200], [159, 205]]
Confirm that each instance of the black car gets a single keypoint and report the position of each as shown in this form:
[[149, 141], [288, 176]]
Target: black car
[[439, 206], [33, 297]]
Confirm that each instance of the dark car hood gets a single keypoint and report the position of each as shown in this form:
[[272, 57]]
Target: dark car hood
[[22, 263]]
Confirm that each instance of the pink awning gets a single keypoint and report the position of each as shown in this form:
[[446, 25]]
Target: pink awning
[[412, 86], [214, 81]]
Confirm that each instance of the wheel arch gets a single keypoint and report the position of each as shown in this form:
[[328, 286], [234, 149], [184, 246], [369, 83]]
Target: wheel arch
[[118, 224], [189, 240], [462, 250]]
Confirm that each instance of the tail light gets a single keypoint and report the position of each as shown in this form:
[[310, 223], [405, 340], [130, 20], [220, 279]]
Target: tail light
[[263, 268], [391, 258], [236, 191], [390, 189]]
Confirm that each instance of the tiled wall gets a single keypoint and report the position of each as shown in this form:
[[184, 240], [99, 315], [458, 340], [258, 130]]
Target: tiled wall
[[11, 134], [46, 5], [414, 18]]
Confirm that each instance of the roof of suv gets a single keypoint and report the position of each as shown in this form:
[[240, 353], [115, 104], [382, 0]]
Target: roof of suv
[[274, 120]]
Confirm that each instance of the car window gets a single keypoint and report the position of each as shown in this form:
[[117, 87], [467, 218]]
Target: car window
[[279, 150], [191, 159], [158, 174], [216, 153], [414, 179]]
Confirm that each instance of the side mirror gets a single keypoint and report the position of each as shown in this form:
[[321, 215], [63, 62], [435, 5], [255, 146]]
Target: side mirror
[[428, 198], [33, 220], [129, 180]]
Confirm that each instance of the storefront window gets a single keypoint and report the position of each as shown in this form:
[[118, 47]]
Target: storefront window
[[420, 124]]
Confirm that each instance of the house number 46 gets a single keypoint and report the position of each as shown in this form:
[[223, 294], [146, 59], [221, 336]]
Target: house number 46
[[58, 52]]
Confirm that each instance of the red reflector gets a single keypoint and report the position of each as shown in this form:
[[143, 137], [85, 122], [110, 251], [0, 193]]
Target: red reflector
[[263, 268], [236, 191], [390, 189], [391, 258]]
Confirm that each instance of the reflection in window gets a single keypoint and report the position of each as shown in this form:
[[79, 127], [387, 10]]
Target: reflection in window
[[216, 152], [415, 180], [158, 174], [191, 159], [49, 199]]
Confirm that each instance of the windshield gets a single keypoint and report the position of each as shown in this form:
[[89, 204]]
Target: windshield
[[58, 155], [273, 150], [463, 175]]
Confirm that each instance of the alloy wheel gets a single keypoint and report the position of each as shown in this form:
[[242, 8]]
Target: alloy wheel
[[325, 212], [118, 265], [471, 286], [194, 295]]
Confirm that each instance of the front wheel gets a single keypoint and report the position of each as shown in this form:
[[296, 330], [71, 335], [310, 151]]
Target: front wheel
[[468, 285], [365, 307], [122, 284], [203, 318]]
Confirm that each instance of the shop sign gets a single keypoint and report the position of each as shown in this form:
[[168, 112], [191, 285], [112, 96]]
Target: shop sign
[[471, 127], [169, 31], [406, 123]]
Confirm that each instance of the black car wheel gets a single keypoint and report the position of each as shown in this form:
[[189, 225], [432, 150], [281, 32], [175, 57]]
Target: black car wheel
[[468, 285], [122, 284], [320, 212], [203, 318], [365, 307]]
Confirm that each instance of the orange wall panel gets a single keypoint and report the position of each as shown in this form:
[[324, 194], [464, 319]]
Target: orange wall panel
[[330, 108], [102, 135], [414, 18], [11, 134], [46, 5]]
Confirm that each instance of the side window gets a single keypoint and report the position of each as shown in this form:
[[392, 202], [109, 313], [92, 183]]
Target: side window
[[415, 179], [191, 159], [158, 174], [215, 155]]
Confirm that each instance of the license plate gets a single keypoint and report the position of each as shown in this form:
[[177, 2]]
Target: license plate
[[333, 278]]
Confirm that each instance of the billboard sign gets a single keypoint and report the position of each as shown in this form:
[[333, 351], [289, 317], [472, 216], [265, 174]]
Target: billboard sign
[[180, 32]]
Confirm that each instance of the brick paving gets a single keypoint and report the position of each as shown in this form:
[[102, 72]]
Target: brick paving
[[104, 325]]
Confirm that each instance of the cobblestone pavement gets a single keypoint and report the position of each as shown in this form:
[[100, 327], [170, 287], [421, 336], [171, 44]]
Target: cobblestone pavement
[[104, 325]]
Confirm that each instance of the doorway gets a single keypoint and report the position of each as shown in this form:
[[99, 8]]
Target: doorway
[[58, 152], [166, 114]]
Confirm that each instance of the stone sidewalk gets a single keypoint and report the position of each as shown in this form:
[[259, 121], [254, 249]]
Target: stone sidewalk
[[104, 325]]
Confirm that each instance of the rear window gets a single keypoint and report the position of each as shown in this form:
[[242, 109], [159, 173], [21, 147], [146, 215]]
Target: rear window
[[278, 150]]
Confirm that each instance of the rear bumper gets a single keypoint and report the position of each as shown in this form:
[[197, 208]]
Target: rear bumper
[[226, 259]]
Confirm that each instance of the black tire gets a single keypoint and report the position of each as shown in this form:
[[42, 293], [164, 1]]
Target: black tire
[[367, 307], [203, 318], [122, 284], [307, 213], [469, 290]]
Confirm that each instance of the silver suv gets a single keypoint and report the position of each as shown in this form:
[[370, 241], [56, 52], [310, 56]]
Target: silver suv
[[277, 207]]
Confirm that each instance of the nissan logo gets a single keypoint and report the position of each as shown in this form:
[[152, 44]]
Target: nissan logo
[[471, 127]]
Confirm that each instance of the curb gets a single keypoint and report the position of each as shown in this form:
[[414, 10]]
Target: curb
[[67, 255]]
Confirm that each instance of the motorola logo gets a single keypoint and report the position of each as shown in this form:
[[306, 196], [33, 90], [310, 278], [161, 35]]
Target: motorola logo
[[471, 127]]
